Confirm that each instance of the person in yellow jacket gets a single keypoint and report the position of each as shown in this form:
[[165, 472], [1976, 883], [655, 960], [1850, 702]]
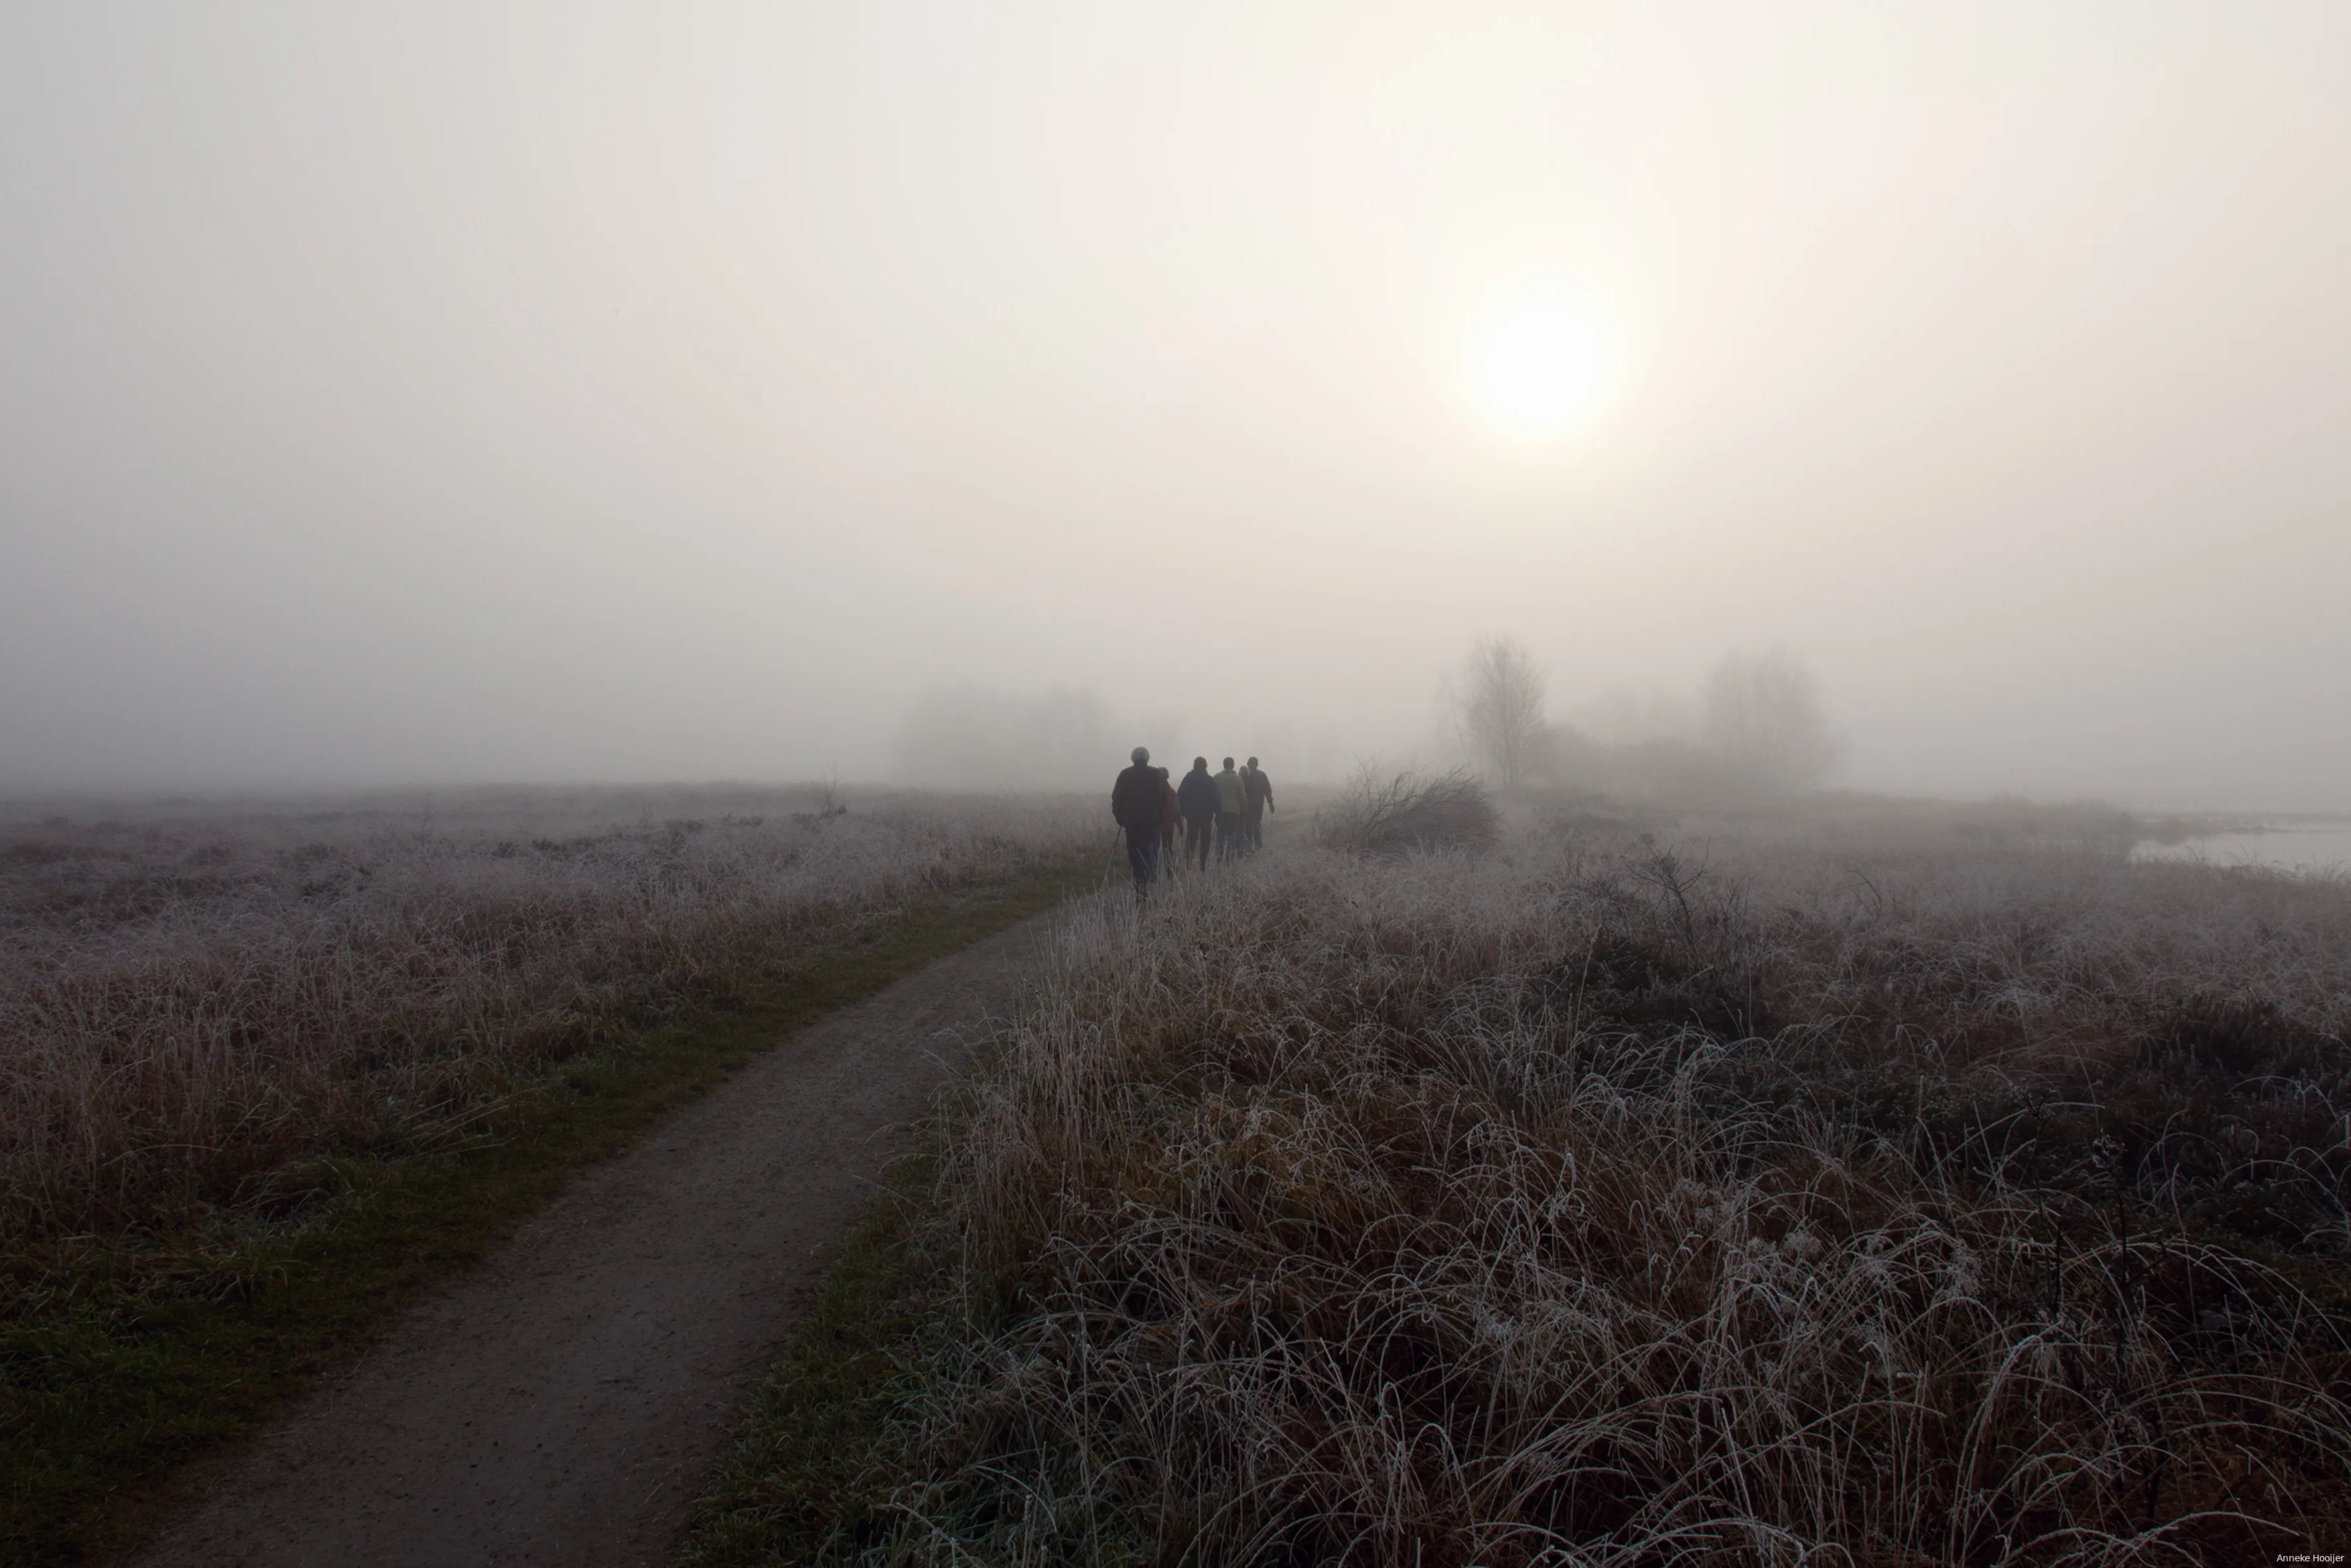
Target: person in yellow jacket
[[1232, 802]]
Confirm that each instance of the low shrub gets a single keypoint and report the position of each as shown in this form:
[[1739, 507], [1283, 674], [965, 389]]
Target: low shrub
[[1394, 814]]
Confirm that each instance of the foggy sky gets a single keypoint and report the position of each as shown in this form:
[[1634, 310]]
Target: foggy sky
[[490, 392]]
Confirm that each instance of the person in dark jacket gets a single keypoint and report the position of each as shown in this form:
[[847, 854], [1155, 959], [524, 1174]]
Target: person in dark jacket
[[1260, 791], [1171, 817], [1200, 799], [1137, 801]]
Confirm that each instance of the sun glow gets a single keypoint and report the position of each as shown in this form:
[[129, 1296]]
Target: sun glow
[[1542, 370]]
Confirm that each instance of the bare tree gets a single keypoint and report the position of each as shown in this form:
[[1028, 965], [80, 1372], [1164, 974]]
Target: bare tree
[[1763, 718], [1502, 704]]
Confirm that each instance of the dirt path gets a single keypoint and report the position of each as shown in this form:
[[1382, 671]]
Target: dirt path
[[564, 1403]]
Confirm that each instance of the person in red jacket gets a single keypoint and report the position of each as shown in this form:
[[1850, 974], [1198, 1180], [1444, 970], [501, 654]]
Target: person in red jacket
[[1138, 803]]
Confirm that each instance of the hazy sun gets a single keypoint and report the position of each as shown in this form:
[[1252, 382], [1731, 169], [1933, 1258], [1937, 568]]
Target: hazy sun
[[1542, 370]]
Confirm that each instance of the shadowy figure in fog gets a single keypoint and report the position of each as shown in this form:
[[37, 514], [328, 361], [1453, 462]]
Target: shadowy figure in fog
[[1171, 817], [1199, 798], [1260, 791], [1136, 801], [1232, 805]]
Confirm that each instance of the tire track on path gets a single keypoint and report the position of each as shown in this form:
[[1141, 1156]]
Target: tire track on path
[[565, 1402]]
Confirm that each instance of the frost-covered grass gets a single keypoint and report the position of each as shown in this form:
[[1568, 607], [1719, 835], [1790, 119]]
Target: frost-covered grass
[[194, 1004], [264, 1071], [1768, 1193]]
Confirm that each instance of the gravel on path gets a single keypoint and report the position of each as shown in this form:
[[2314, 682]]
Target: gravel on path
[[564, 1403]]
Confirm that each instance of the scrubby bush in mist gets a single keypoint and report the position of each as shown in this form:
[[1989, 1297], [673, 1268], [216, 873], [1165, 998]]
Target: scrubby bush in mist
[[1763, 720], [1382, 813], [192, 1009], [1871, 824], [976, 738], [1627, 715], [1611, 1202]]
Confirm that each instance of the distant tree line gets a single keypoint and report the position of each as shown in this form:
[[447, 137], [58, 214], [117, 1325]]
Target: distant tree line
[[1760, 729], [975, 737]]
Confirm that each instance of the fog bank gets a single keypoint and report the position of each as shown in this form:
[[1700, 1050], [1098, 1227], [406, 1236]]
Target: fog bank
[[612, 392]]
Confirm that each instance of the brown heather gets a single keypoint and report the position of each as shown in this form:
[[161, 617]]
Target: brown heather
[[195, 1009], [1860, 1200]]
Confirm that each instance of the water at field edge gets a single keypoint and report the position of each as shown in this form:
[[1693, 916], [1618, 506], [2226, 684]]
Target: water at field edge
[[2291, 843]]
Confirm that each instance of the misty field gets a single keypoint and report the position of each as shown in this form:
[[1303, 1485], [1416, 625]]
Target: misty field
[[1883, 1187], [198, 1008]]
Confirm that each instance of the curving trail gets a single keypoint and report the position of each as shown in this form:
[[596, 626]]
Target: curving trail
[[564, 1403]]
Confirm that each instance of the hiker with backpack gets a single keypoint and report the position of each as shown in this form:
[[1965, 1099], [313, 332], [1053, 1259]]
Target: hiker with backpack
[[1200, 799], [1137, 803]]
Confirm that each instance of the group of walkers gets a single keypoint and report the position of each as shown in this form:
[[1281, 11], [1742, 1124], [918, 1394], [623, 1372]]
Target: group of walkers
[[1222, 813]]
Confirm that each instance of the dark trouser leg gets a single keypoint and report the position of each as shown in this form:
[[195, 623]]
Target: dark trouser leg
[[1142, 855], [1228, 835], [1198, 832], [1255, 831]]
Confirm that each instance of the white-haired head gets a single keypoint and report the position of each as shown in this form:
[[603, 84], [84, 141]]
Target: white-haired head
[[1142, 753]]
